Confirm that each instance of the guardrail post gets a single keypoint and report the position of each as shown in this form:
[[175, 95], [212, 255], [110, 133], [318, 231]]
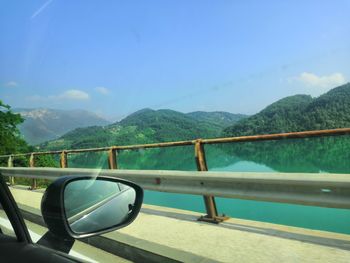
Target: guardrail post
[[31, 165], [10, 164], [112, 159], [63, 159], [209, 201]]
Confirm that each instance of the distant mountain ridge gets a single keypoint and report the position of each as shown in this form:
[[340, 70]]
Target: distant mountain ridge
[[211, 120], [293, 113], [298, 113], [219, 119], [147, 126], [43, 124]]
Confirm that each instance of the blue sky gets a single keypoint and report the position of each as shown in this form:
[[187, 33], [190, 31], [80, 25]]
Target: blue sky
[[115, 57]]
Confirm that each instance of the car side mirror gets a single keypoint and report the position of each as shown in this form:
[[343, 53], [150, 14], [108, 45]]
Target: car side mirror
[[85, 206]]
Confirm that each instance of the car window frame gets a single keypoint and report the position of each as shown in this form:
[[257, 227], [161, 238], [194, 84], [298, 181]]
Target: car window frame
[[13, 213]]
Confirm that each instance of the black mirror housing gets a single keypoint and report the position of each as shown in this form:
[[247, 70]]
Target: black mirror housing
[[55, 214]]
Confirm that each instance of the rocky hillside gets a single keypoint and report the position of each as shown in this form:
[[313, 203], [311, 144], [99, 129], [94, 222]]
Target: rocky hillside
[[46, 124]]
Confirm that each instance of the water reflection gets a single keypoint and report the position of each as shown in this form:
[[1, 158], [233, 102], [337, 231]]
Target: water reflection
[[244, 166], [328, 154]]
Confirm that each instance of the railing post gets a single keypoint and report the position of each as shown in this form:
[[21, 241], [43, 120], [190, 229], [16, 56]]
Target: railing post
[[63, 160], [209, 201], [32, 164], [112, 159], [10, 164]]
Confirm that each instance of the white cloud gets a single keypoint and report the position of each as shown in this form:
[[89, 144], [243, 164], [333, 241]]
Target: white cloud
[[73, 94], [322, 82], [11, 84], [102, 90]]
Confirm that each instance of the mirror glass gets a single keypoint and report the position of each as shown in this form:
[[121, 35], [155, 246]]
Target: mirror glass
[[92, 205]]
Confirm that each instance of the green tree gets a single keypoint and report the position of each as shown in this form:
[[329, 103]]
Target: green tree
[[10, 140]]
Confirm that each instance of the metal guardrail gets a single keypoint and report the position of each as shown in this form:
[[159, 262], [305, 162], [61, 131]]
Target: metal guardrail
[[199, 154], [264, 137], [325, 190]]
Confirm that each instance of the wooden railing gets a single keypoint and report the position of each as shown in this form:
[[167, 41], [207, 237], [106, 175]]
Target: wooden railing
[[199, 154]]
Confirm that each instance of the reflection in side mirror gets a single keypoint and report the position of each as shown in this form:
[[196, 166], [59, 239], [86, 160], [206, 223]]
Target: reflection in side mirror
[[95, 205], [76, 207]]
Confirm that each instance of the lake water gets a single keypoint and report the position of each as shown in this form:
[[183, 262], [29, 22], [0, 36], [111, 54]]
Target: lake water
[[329, 219], [330, 155]]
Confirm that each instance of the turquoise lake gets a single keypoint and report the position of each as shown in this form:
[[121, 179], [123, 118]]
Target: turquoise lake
[[327, 155]]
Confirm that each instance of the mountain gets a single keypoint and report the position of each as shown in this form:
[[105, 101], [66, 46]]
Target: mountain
[[298, 113], [294, 113], [46, 124], [217, 119], [144, 126]]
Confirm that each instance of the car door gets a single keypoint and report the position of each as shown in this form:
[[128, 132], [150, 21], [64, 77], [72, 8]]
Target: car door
[[15, 242]]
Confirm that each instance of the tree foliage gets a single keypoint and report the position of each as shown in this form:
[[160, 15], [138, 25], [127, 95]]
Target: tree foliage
[[10, 139], [299, 113], [144, 126]]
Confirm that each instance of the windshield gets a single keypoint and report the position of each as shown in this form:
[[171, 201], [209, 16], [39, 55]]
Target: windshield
[[170, 86]]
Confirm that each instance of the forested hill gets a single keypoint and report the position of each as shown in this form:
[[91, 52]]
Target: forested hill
[[298, 113], [146, 126], [217, 119]]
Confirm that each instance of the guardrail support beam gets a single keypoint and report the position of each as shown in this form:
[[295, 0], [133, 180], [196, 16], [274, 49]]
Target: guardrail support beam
[[112, 159], [209, 201], [31, 165], [10, 164], [63, 160]]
